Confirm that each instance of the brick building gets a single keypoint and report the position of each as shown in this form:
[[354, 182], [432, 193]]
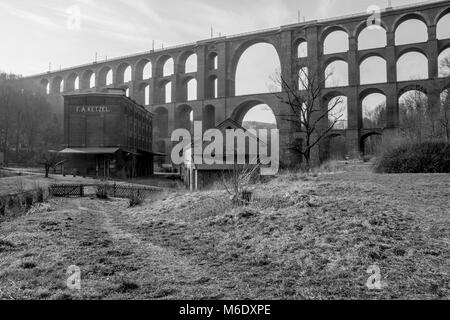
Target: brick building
[[107, 135]]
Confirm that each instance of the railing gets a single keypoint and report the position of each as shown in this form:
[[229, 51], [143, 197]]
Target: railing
[[261, 31], [114, 59], [126, 191], [67, 190], [388, 9], [112, 190], [249, 33]]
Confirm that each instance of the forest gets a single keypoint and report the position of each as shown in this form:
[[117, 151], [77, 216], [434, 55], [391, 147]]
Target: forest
[[30, 124]]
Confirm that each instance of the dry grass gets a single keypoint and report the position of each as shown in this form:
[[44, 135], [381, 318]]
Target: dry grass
[[303, 237], [16, 184]]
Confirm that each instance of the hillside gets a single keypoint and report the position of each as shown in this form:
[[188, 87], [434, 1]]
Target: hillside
[[303, 237]]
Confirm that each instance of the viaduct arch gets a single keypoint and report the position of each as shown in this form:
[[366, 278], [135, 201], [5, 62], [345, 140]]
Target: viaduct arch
[[217, 60]]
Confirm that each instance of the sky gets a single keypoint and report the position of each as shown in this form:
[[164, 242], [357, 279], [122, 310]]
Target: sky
[[66, 33], [36, 33]]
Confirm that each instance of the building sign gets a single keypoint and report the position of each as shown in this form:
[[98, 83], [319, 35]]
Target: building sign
[[92, 109]]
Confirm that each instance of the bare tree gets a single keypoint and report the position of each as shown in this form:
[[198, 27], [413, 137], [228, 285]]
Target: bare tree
[[445, 66], [6, 108], [415, 116], [445, 114], [311, 117], [48, 159], [445, 101], [27, 121], [376, 117], [421, 119]]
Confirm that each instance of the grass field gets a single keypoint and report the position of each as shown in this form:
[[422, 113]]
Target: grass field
[[303, 237]]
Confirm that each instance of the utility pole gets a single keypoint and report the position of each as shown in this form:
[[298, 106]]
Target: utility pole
[[298, 16], [153, 45], [212, 32]]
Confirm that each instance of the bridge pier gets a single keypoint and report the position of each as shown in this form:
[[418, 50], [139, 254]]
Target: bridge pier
[[352, 142]]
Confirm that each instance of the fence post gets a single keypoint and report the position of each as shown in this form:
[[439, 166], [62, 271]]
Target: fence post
[[81, 190], [114, 190]]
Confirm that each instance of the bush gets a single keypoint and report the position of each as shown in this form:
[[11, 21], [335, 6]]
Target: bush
[[102, 191], [425, 157], [367, 158], [40, 195], [136, 199], [330, 166], [2, 208], [28, 201]]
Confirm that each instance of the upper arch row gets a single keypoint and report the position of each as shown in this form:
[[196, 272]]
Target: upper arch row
[[146, 67], [408, 28], [125, 72]]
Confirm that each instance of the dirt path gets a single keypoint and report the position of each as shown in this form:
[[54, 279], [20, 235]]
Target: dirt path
[[161, 266]]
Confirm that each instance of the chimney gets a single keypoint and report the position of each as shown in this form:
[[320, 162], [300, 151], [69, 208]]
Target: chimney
[[117, 91]]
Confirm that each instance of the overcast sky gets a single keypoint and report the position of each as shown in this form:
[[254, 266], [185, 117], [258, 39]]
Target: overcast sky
[[34, 33]]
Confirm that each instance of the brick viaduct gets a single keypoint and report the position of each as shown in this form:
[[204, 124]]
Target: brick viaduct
[[217, 61]]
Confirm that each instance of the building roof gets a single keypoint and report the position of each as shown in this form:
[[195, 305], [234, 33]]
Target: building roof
[[89, 150], [114, 92], [104, 151]]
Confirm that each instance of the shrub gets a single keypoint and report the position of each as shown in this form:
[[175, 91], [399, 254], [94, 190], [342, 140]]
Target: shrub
[[136, 199], [409, 157], [367, 158], [102, 191], [12, 203], [28, 201], [2, 207], [39, 193], [127, 286], [330, 166], [28, 265], [19, 186], [6, 245]]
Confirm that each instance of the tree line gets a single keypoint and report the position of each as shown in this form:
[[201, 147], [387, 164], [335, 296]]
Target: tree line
[[29, 123], [419, 120]]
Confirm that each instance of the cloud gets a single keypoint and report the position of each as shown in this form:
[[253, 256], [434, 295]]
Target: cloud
[[325, 8], [27, 15], [141, 7], [120, 27]]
